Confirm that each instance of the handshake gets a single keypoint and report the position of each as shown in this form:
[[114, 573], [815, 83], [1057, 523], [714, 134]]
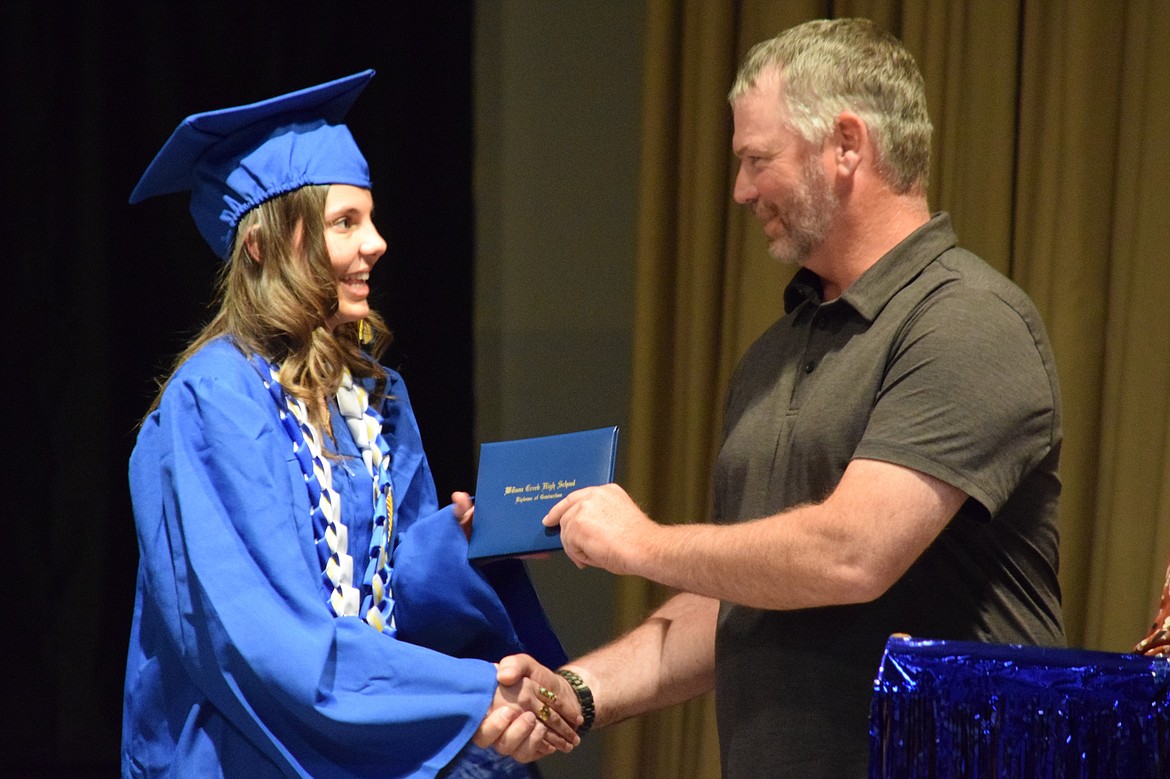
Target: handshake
[[534, 713]]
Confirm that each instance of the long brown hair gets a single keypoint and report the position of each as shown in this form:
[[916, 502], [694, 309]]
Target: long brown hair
[[279, 306]]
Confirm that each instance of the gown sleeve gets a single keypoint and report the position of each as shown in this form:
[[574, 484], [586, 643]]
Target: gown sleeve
[[442, 600], [229, 585]]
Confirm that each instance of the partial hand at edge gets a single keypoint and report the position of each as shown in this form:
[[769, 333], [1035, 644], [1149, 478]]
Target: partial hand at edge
[[464, 511]]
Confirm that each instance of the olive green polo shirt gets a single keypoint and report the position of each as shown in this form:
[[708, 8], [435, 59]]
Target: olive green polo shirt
[[931, 360]]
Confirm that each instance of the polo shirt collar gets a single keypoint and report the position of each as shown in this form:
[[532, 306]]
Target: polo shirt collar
[[893, 271]]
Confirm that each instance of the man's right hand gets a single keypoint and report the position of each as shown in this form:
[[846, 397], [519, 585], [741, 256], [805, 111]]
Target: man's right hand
[[534, 712]]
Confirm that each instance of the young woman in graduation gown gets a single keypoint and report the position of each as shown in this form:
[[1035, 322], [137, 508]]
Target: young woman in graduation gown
[[303, 605]]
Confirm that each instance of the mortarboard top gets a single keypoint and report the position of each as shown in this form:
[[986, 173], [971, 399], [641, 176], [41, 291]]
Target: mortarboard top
[[233, 159]]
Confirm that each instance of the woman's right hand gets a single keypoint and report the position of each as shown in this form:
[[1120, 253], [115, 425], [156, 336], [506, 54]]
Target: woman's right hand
[[512, 732], [528, 721]]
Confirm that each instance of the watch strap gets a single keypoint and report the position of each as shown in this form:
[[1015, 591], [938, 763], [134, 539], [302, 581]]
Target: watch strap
[[584, 697]]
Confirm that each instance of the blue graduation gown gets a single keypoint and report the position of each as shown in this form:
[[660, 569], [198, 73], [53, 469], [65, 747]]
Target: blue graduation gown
[[236, 666]]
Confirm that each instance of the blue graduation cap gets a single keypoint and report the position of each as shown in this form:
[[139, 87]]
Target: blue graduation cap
[[233, 159]]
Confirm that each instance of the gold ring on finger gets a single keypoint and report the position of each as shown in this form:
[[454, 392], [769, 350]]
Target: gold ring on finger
[[547, 693], [542, 715]]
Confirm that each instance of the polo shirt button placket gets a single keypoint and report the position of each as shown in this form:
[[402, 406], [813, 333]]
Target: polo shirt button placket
[[820, 322]]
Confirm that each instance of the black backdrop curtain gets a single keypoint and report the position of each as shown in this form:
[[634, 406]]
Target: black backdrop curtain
[[100, 295]]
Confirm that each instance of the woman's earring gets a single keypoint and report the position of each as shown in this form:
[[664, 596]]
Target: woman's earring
[[364, 332]]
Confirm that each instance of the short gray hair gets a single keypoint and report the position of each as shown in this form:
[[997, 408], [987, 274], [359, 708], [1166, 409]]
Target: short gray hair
[[833, 65]]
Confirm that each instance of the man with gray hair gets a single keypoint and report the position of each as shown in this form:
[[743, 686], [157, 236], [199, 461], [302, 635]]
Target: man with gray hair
[[890, 452]]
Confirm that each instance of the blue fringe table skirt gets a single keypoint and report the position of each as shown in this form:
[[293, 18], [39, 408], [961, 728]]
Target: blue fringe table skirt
[[945, 709]]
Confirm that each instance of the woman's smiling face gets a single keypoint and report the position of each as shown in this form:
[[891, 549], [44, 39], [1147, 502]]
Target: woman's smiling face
[[354, 246]]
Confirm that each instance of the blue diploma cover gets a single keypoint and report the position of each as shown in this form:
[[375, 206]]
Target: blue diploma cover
[[519, 481], [962, 709]]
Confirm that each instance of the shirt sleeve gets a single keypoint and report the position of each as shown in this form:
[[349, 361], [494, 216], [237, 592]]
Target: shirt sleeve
[[967, 398], [225, 563]]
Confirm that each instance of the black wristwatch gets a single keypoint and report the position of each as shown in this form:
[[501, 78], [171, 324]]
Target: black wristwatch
[[584, 697]]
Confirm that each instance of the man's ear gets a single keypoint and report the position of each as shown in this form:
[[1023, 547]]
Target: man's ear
[[850, 141], [252, 243]]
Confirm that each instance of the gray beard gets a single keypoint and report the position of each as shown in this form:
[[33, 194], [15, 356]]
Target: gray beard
[[807, 217]]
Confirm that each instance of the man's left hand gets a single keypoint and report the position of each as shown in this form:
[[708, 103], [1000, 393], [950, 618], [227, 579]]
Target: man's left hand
[[602, 527]]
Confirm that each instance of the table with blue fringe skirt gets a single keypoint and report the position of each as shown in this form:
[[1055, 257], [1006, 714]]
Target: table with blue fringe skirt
[[945, 709]]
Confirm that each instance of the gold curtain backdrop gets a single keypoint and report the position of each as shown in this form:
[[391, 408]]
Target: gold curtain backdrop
[[1050, 152]]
